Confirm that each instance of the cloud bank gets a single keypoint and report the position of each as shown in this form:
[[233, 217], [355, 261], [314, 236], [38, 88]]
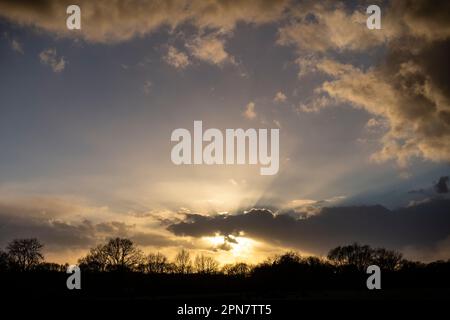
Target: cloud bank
[[409, 89], [425, 225], [115, 21]]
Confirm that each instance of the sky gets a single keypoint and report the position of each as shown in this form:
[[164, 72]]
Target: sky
[[364, 117]]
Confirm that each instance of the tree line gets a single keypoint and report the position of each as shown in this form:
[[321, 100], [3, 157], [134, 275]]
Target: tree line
[[121, 254]]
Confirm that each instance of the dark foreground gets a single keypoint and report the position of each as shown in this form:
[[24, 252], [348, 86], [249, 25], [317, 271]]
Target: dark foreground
[[227, 297]]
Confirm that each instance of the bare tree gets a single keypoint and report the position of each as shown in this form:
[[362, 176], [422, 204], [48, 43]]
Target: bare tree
[[237, 269], [205, 264], [95, 260], [359, 256], [157, 263], [4, 261], [183, 262], [388, 260], [362, 256], [171, 268], [25, 254], [116, 254], [122, 254]]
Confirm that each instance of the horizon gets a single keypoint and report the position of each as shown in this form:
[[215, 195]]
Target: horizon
[[88, 117]]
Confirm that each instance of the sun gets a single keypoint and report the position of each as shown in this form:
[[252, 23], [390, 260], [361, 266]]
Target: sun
[[240, 247], [243, 247], [215, 241]]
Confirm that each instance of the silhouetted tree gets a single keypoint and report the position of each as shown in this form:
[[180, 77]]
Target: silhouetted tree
[[25, 254], [95, 260], [407, 265], [4, 261], [314, 262], [183, 262], [205, 264], [388, 260], [116, 254], [356, 255], [171, 268], [288, 258], [237, 269], [362, 256], [122, 254], [51, 267], [156, 263]]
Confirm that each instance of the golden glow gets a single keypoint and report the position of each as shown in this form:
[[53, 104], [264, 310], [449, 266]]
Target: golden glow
[[239, 247], [215, 241], [243, 248]]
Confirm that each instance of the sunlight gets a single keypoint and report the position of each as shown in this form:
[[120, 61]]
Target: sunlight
[[237, 246], [216, 240], [243, 248]]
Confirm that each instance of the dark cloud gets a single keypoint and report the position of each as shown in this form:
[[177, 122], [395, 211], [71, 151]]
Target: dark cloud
[[417, 191], [442, 185], [47, 221], [425, 224], [435, 191], [52, 233]]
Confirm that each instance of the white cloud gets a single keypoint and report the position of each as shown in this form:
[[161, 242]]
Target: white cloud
[[407, 94], [49, 57], [116, 22], [17, 46], [211, 49], [407, 101], [249, 112], [315, 104], [334, 27], [280, 97], [376, 124], [177, 59]]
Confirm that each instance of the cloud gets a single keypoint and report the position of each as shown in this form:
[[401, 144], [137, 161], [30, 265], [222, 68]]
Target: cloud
[[333, 26], [61, 225], [316, 104], [115, 22], [280, 97], [319, 27], [49, 57], [423, 225], [421, 19], [53, 233], [408, 93], [147, 86], [306, 207], [438, 252], [211, 49], [306, 64], [442, 185], [177, 59], [249, 112], [373, 123], [17, 46]]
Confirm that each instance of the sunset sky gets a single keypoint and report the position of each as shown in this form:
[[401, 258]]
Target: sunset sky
[[364, 118]]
